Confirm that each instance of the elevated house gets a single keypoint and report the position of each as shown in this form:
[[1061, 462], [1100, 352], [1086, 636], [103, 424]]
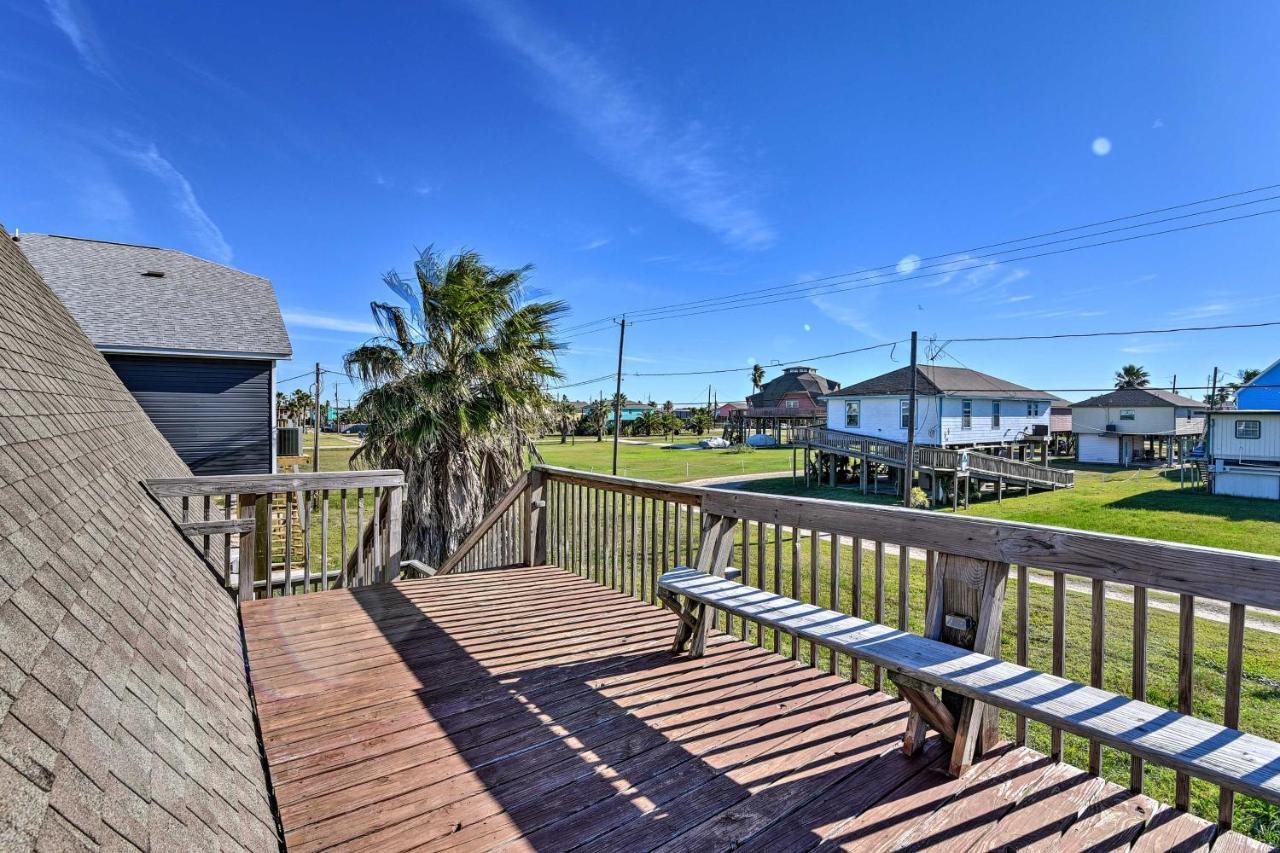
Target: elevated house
[[955, 408], [1131, 426], [630, 410], [785, 403], [526, 694], [195, 342], [1244, 443]]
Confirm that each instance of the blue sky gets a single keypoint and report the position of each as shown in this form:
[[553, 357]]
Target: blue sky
[[660, 152]]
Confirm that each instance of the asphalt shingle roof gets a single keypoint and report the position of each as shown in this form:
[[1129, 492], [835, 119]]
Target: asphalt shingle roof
[[948, 381], [792, 379], [1137, 398], [125, 716], [196, 306]]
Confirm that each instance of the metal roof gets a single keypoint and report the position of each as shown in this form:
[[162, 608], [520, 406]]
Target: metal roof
[[143, 298]]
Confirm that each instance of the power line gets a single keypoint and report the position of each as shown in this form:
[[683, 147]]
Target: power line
[[774, 363], [1058, 335], [828, 290], [811, 283]]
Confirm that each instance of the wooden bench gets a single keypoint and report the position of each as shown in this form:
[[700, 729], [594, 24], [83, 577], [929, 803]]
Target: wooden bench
[[918, 665]]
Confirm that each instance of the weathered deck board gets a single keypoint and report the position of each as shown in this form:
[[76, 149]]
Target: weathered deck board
[[528, 708]]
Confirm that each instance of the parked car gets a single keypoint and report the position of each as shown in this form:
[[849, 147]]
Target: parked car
[[355, 429], [713, 443]]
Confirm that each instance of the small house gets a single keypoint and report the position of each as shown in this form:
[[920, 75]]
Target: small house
[[195, 342], [955, 407], [1244, 446], [728, 411], [631, 410], [1136, 425]]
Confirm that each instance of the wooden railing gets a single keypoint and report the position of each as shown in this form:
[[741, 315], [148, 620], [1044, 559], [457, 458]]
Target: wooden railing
[[500, 537], [972, 462], [1111, 611], [283, 534]]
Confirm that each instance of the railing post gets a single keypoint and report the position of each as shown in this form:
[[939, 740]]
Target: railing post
[[535, 520], [395, 501], [247, 508], [262, 541]]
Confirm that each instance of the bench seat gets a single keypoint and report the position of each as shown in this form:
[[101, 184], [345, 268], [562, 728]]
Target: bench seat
[[1200, 748]]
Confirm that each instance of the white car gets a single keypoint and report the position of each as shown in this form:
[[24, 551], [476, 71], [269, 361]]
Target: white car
[[713, 443]]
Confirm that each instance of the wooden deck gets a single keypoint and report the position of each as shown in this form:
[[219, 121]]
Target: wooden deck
[[532, 709]]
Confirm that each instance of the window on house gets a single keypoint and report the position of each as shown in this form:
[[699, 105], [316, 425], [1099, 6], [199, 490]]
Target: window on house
[[904, 413], [966, 414], [995, 414], [1128, 415], [1033, 409], [851, 413], [791, 404], [1248, 429]]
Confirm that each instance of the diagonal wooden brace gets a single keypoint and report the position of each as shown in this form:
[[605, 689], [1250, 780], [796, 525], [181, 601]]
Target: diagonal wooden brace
[[925, 703]]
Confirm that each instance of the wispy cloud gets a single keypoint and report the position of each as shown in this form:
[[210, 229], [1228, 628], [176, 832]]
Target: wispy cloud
[[77, 25], [850, 310], [592, 245], [1141, 349], [1021, 297], [201, 227], [675, 164], [1203, 311], [310, 320]]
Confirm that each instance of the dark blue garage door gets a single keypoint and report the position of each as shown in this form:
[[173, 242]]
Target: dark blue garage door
[[216, 412]]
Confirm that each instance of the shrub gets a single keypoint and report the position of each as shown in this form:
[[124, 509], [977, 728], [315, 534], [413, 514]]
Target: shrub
[[919, 500], [742, 448]]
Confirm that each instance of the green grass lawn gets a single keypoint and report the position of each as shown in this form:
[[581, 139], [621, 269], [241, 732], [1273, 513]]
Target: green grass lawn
[[651, 461]]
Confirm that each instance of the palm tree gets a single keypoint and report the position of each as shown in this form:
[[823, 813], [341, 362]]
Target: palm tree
[[564, 413], [456, 392], [757, 377], [1132, 376], [597, 418], [700, 420]]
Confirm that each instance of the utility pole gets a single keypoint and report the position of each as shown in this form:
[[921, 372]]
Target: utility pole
[[617, 393], [911, 430], [1175, 383], [315, 446], [1208, 427], [335, 408]]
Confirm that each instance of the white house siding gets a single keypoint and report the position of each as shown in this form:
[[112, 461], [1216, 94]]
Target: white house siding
[[1247, 484], [1104, 449], [1015, 425], [938, 420], [1147, 420], [1225, 445]]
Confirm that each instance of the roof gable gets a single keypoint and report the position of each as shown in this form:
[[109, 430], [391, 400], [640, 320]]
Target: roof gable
[[792, 379], [144, 298]]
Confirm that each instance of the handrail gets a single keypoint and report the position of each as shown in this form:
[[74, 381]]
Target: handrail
[[254, 484], [486, 524]]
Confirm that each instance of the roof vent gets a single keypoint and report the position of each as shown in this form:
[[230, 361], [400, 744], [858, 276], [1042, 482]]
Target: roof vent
[[154, 273]]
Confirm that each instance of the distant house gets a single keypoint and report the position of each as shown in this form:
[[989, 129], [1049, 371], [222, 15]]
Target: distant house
[[195, 342], [728, 410], [1244, 446], [955, 407], [1263, 392], [1133, 425], [631, 410], [794, 399]]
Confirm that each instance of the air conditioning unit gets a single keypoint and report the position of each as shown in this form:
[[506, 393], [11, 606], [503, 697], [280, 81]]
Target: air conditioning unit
[[1039, 429], [1112, 428], [289, 441]]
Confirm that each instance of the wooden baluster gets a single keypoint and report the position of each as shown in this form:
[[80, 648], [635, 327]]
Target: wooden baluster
[[614, 539], [1139, 673], [796, 591], [777, 577], [1023, 627], [878, 673], [688, 537], [262, 544], [305, 508], [834, 580], [288, 543], [1059, 649], [1097, 647], [904, 588], [186, 508], [815, 549], [761, 535], [654, 558], [247, 564], [324, 539], [855, 665], [360, 575], [746, 570], [208, 504], [226, 542], [631, 546], [1231, 707], [1186, 662], [667, 562], [644, 549], [342, 519]]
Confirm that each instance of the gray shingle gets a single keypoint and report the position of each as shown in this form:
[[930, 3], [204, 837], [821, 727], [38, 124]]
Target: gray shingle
[[197, 306], [932, 381], [114, 635], [1138, 398]]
